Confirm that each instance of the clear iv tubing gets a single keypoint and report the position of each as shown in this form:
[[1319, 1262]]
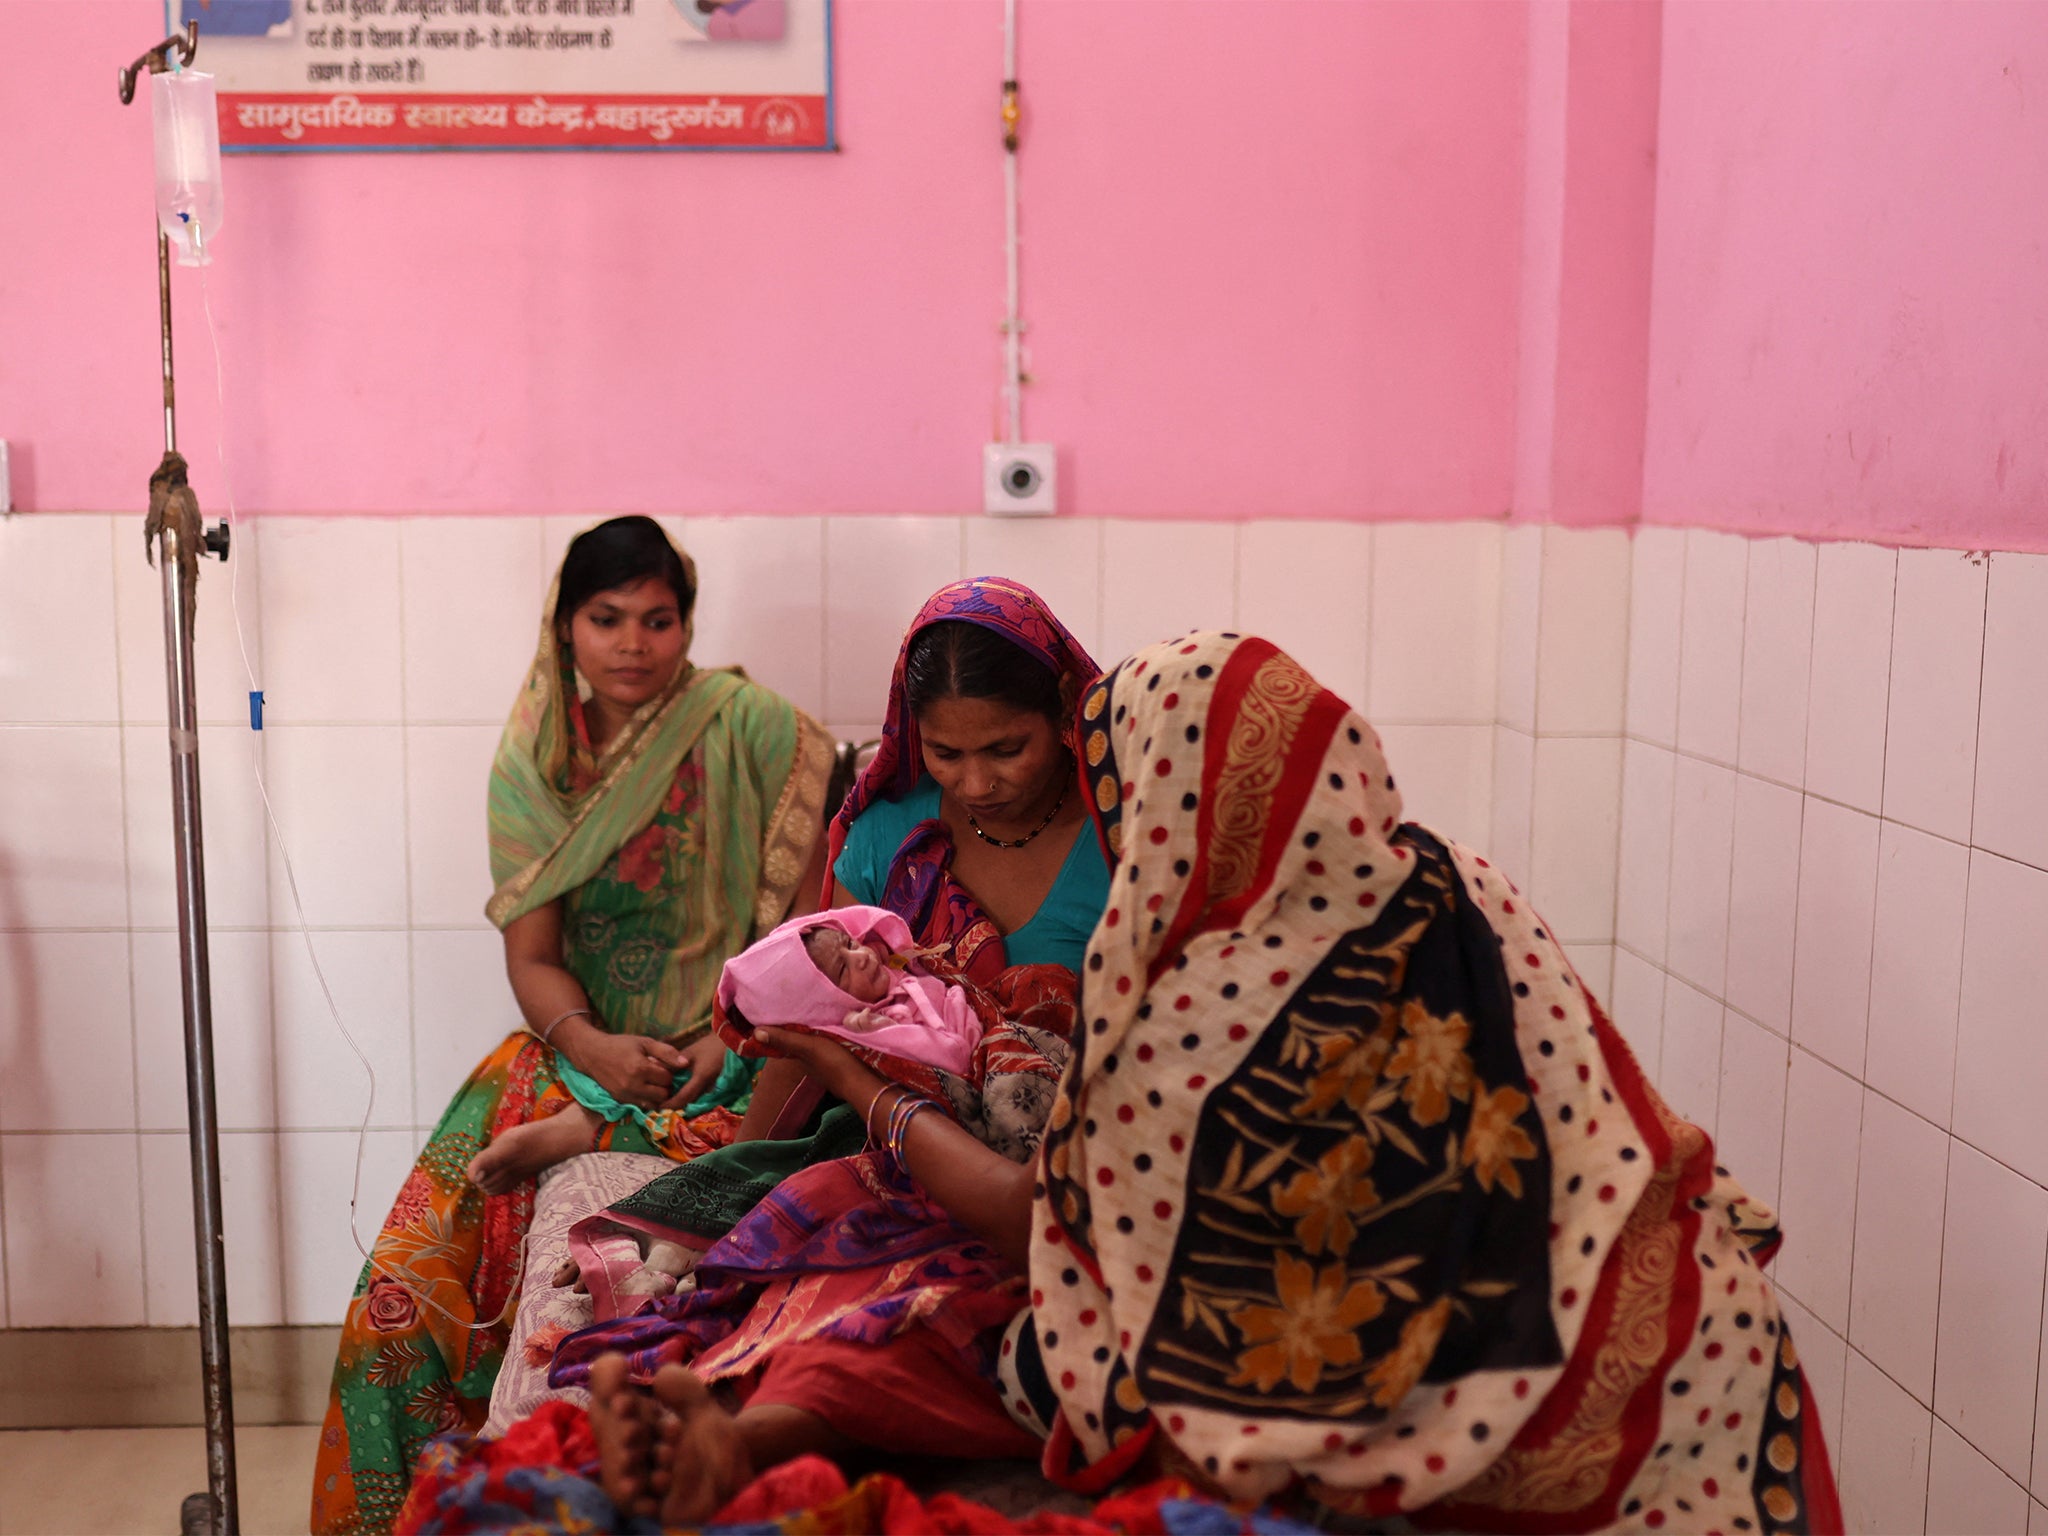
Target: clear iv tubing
[[401, 1276]]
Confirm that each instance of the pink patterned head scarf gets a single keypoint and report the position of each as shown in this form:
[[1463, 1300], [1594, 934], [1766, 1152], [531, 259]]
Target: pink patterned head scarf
[[1013, 611]]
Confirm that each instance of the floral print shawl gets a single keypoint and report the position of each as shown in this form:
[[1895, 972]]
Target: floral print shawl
[[1351, 1193]]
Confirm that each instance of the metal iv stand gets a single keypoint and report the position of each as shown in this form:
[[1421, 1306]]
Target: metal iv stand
[[214, 1512]]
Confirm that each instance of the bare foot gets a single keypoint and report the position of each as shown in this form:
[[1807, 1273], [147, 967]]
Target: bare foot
[[625, 1421], [525, 1150], [647, 1281], [707, 1461]]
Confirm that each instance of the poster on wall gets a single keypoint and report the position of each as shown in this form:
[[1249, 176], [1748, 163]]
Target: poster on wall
[[517, 74]]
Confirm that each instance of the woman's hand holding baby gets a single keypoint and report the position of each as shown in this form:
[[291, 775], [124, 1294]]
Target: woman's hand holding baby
[[831, 1065]]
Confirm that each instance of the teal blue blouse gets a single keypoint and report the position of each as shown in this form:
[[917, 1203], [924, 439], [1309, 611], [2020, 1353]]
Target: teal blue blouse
[[1058, 931]]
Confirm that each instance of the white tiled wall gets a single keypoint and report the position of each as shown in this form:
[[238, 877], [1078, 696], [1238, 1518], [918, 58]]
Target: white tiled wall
[[1834, 855], [389, 651], [1781, 802]]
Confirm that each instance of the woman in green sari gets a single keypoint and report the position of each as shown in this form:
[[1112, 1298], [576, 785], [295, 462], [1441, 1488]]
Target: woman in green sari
[[647, 820]]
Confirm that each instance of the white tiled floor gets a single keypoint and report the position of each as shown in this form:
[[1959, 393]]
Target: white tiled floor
[[113, 1482]]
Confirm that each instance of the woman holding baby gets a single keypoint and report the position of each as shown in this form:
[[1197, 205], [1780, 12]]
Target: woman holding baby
[[1350, 1198]]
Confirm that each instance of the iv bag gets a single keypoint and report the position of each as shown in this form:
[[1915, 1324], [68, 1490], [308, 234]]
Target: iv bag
[[188, 191]]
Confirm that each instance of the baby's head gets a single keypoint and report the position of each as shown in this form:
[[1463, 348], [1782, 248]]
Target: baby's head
[[856, 969]]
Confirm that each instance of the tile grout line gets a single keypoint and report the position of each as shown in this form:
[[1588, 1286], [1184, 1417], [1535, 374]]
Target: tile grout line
[[1791, 1001], [1883, 774], [2034, 1435], [1101, 554], [1628, 609], [412, 1007], [1728, 901], [258, 755], [1678, 672], [1671, 820], [128, 911], [1372, 547], [1237, 574]]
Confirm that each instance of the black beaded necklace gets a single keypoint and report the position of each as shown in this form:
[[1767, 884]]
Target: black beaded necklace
[[1019, 842]]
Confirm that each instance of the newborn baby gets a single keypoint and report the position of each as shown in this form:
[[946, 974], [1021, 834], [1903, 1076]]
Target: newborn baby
[[859, 970], [851, 973], [862, 983]]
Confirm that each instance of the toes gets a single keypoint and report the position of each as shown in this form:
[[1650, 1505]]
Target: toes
[[607, 1379], [680, 1390]]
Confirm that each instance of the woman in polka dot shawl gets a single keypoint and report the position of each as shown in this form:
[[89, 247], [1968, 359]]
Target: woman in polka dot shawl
[[1352, 1194]]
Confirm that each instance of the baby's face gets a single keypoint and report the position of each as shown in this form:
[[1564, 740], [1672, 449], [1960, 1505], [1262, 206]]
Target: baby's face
[[856, 969]]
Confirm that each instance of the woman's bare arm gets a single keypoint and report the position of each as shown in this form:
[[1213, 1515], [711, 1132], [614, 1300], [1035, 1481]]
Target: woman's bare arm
[[978, 1187], [634, 1070]]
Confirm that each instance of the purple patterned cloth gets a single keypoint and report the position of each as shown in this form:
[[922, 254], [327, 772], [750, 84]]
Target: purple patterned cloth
[[850, 1250]]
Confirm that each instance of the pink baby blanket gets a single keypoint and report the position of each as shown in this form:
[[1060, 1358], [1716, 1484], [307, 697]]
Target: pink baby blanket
[[774, 982]]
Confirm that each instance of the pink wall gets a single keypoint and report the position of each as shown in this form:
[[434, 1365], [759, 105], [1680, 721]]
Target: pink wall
[[1774, 266], [1271, 268], [1850, 323], [1588, 220]]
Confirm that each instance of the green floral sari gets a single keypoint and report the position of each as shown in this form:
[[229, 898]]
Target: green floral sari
[[668, 851]]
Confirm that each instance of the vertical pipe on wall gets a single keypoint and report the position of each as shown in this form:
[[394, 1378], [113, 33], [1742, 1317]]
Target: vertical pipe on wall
[[1013, 341]]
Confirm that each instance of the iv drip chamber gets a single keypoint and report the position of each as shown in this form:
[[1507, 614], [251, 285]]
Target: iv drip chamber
[[188, 189]]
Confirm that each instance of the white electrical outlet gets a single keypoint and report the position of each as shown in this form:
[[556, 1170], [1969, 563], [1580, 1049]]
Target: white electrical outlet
[[1017, 480], [6, 480]]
